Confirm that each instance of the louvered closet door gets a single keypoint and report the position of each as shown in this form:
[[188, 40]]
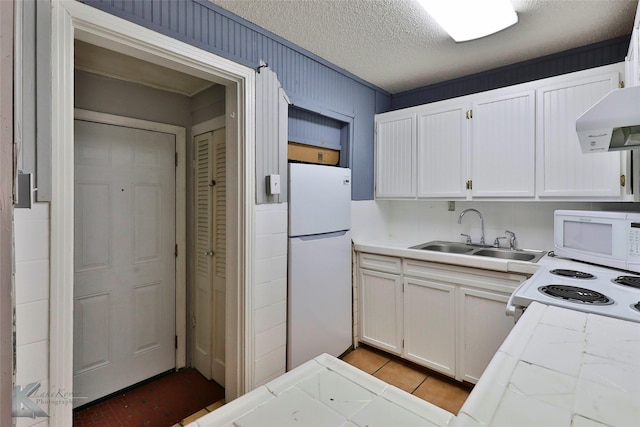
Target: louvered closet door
[[209, 295]]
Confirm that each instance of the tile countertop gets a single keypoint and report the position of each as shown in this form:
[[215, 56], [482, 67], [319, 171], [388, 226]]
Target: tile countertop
[[326, 392], [557, 367], [560, 367]]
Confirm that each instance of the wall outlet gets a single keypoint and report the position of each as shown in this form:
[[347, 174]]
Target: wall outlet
[[451, 206]]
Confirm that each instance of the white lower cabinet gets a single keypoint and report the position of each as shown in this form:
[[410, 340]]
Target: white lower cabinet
[[429, 324], [381, 310], [482, 327], [448, 318]]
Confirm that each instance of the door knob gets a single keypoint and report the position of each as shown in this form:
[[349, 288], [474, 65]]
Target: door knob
[[208, 253]]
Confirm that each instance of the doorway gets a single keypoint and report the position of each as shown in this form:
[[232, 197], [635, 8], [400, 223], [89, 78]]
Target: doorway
[[127, 222], [73, 20]]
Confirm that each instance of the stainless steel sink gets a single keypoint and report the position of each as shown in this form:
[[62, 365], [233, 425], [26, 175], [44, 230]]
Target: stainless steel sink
[[480, 250], [449, 247], [509, 254]]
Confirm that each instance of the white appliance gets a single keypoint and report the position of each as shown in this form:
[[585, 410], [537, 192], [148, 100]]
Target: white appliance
[[319, 300], [610, 239], [590, 289], [604, 238], [613, 123]]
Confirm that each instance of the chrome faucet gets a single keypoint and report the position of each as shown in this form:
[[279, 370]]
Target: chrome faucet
[[512, 240], [481, 222]]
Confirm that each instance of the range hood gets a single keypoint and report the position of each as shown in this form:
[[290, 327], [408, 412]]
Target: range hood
[[612, 124]]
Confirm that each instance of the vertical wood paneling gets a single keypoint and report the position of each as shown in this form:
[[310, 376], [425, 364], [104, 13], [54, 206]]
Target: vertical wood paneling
[[313, 129], [300, 72], [504, 128], [269, 134], [563, 170], [429, 324], [395, 157], [441, 148], [381, 310], [602, 53]]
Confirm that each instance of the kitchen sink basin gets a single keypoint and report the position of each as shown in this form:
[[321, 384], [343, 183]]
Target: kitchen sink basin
[[449, 247], [480, 250], [531, 256]]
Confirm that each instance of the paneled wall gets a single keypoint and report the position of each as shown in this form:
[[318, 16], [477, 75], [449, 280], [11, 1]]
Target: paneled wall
[[306, 78], [582, 58]]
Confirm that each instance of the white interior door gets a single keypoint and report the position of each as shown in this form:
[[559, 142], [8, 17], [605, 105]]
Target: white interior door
[[124, 257], [210, 278]]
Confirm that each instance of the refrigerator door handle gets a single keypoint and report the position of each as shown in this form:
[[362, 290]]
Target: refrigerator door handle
[[321, 236]]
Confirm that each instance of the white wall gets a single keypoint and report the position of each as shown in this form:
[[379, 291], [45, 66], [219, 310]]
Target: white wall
[[270, 293], [31, 231], [420, 221]]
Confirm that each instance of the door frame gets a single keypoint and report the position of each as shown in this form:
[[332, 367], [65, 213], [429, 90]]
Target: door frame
[[73, 20], [180, 134]]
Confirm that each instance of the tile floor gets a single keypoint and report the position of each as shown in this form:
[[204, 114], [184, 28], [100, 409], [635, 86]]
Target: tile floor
[[443, 392], [446, 393]]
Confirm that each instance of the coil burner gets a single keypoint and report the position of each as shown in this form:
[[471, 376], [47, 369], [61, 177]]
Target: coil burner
[[575, 294], [633, 281], [573, 274]]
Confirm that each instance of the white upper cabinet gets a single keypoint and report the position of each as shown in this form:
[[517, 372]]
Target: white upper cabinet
[[632, 61], [563, 169], [503, 146], [395, 155], [442, 150], [515, 143]]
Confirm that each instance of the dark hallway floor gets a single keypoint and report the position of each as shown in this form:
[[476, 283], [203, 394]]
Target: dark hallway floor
[[162, 402]]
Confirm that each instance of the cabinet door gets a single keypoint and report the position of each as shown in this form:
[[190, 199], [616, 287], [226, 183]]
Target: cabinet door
[[442, 151], [632, 76], [632, 61], [503, 146], [563, 169], [429, 324], [482, 327], [395, 156], [380, 311]]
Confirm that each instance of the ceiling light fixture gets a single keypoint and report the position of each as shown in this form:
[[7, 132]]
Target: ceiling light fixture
[[471, 19]]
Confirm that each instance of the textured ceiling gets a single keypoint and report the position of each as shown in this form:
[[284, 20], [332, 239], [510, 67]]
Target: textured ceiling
[[395, 44]]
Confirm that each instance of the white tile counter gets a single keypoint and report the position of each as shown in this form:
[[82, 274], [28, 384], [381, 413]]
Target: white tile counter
[[560, 367], [557, 367], [326, 392]]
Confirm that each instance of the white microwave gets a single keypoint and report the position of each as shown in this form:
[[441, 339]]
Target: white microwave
[[606, 238]]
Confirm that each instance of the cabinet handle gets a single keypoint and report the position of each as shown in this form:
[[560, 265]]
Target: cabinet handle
[[623, 180], [469, 185]]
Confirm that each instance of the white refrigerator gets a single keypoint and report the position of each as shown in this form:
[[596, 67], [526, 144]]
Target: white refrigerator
[[319, 295]]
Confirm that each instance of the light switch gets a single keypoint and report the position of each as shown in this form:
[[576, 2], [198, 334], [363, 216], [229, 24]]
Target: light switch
[[273, 184]]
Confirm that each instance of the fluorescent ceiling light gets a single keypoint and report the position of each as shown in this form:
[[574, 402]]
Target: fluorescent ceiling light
[[471, 19]]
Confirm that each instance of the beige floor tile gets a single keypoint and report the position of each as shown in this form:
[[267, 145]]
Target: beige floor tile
[[401, 376], [193, 417], [215, 405], [443, 394], [366, 360]]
